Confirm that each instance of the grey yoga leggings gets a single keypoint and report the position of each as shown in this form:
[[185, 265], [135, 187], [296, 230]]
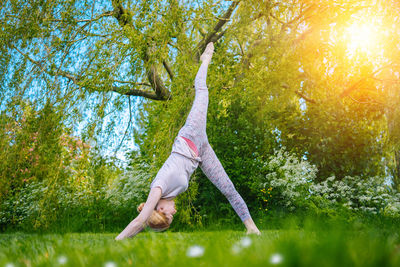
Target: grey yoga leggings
[[195, 130]]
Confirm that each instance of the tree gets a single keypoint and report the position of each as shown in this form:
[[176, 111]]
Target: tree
[[30, 148], [97, 47], [350, 83], [271, 73]]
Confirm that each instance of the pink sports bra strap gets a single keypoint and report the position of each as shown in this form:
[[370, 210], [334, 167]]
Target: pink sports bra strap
[[191, 145]]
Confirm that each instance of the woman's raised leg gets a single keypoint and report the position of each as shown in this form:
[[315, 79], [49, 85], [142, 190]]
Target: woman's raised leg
[[195, 125]]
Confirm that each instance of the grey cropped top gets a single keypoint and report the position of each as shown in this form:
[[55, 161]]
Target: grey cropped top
[[173, 177]]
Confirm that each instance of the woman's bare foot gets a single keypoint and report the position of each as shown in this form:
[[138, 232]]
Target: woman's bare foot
[[208, 53], [253, 231], [251, 227]]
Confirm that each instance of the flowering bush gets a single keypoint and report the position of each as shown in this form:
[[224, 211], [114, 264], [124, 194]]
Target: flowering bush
[[30, 149], [291, 183], [287, 180], [131, 187], [368, 195], [23, 206], [79, 203], [392, 210]]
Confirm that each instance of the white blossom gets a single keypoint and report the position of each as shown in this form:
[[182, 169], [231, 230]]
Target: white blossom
[[195, 251], [245, 242], [236, 248], [110, 264], [62, 260], [276, 258]]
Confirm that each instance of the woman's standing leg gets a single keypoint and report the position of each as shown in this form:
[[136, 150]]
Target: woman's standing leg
[[213, 169]]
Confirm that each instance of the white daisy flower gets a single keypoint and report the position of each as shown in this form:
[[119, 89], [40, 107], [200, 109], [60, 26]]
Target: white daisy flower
[[245, 242], [62, 260], [236, 249], [195, 251], [110, 264], [276, 258]]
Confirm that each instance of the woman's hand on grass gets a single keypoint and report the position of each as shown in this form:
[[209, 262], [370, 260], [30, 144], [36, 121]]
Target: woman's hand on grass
[[139, 223], [133, 228]]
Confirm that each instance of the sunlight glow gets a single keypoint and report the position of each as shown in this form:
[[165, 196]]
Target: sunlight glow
[[365, 36], [362, 38]]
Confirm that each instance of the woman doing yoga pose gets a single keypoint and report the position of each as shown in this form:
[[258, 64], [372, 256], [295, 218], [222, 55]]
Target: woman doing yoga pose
[[190, 150]]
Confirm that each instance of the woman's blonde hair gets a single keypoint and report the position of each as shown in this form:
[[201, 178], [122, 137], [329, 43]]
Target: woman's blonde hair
[[157, 221]]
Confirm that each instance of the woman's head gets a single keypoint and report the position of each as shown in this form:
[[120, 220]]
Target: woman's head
[[162, 216], [166, 207]]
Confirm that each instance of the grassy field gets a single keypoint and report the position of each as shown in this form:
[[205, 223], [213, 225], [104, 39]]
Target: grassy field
[[336, 246]]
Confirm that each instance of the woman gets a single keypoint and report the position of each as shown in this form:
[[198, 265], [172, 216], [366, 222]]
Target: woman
[[190, 150]]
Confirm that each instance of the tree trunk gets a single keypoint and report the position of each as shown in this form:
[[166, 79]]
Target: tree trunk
[[396, 172], [393, 121]]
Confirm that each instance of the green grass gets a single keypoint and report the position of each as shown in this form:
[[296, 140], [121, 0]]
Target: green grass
[[309, 246]]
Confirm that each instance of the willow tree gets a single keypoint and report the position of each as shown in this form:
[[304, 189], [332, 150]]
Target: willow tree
[[67, 49], [271, 58], [86, 55], [270, 85]]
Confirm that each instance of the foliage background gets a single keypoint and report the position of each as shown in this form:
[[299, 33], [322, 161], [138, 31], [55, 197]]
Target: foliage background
[[300, 122]]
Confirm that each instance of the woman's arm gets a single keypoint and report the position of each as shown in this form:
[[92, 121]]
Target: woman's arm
[[139, 223]]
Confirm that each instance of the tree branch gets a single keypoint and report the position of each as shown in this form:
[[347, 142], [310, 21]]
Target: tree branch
[[124, 90], [246, 60], [168, 69], [105, 14], [306, 98], [135, 92], [353, 87], [215, 34], [161, 91], [132, 83], [155, 80]]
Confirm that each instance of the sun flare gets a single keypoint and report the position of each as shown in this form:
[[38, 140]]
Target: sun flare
[[362, 38]]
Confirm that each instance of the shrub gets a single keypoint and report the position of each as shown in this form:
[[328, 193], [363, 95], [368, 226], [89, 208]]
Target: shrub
[[285, 181], [131, 187], [366, 195], [392, 210], [289, 183]]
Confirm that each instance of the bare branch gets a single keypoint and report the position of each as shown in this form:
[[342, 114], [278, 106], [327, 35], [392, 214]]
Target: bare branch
[[215, 34], [168, 69], [355, 86], [161, 91], [133, 83], [134, 92], [306, 98], [124, 90]]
